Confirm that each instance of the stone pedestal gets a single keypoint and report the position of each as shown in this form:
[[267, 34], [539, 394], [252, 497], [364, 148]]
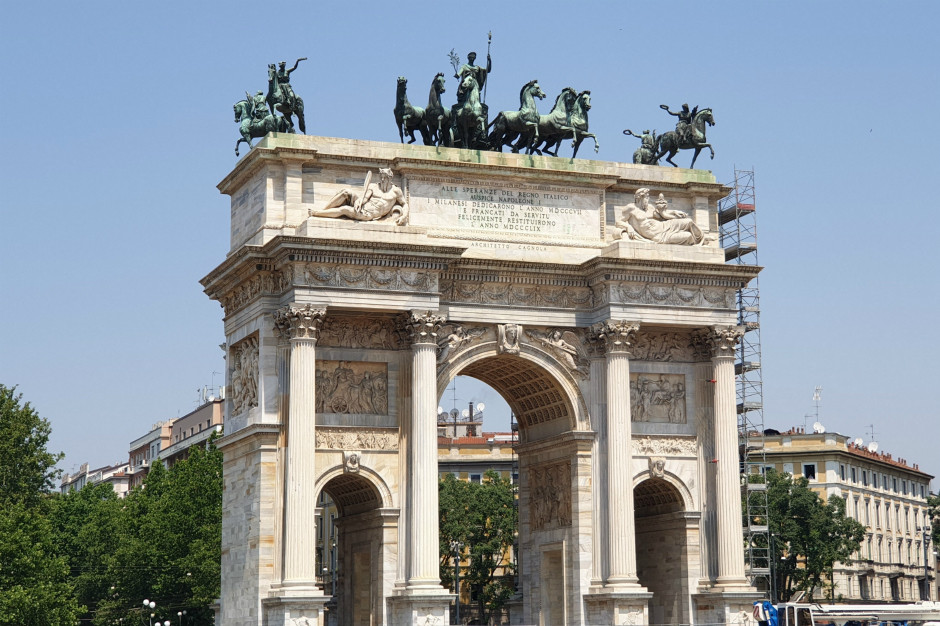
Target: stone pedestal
[[294, 607], [414, 608], [617, 608]]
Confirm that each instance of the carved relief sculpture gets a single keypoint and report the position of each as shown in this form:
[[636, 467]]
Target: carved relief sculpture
[[642, 221], [663, 346], [455, 339], [352, 332], [657, 466], [665, 446], [244, 375], [352, 462], [509, 335], [565, 346], [374, 202], [334, 438], [550, 495], [352, 387], [657, 398]]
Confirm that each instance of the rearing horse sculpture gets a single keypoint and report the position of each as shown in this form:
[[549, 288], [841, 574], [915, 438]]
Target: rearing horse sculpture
[[553, 126], [408, 118], [279, 102], [669, 141], [523, 123], [436, 116]]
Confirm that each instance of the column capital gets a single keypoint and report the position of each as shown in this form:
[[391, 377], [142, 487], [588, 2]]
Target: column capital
[[421, 327], [717, 341], [299, 321], [615, 336]]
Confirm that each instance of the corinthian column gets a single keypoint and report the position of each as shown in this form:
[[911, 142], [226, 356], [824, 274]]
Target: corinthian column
[[618, 337], [423, 531], [721, 340], [302, 325]]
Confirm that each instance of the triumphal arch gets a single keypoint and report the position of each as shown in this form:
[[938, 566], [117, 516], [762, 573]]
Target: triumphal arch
[[594, 296]]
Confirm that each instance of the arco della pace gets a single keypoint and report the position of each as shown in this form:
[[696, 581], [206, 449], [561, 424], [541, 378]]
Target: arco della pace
[[593, 296]]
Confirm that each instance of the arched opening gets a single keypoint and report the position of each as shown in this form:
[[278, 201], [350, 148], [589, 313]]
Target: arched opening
[[662, 550], [351, 538], [542, 454]]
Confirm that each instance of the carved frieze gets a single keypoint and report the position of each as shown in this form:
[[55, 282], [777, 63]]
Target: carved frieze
[[263, 283], [565, 345], [244, 374], [359, 332], [664, 446], [347, 387], [657, 398], [550, 495], [359, 439], [669, 295], [664, 346], [512, 294], [331, 275]]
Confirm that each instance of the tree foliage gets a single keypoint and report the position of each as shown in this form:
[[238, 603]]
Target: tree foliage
[[483, 517], [933, 510], [34, 582], [809, 534]]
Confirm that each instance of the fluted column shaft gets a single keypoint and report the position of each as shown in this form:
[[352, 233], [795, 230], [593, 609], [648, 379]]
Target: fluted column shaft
[[424, 532], [617, 337], [728, 490], [302, 324]]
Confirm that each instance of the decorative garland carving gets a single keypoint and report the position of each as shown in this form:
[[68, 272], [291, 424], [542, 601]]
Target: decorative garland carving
[[550, 495], [351, 388], [511, 294], [244, 375], [325, 275], [665, 295], [664, 446], [359, 439]]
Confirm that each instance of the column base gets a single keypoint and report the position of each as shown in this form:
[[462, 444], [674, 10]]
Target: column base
[[724, 606], [419, 606], [295, 605], [617, 606]]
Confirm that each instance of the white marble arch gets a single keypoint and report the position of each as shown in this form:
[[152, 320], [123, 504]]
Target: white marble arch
[[688, 502], [579, 419], [386, 500]]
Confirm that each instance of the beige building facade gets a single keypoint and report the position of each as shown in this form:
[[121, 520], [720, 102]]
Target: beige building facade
[[363, 277], [886, 495]]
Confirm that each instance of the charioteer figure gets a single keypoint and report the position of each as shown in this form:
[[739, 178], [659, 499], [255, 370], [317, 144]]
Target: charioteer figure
[[479, 73]]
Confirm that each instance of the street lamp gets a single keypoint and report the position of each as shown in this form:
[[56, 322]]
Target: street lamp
[[179, 615], [149, 604], [456, 547], [925, 535], [333, 563]]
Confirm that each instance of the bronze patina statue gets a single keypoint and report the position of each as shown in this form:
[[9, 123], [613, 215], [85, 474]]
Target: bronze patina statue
[[523, 123], [646, 153], [281, 96], [478, 72], [408, 118], [689, 133], [255, 120]]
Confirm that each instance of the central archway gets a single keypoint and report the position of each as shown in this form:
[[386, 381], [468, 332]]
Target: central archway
[[554, 489]]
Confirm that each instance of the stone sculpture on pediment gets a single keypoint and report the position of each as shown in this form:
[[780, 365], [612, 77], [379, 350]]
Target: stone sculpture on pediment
[[565, 346], [657, 398], [664, 446], [351, 388], [374, 201], [509, 336], [657, 223], [359, 439], [245, 360], [352, 332], [453, 337]]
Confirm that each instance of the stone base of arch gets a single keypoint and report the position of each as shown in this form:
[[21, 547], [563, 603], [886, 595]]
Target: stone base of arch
[[408, 607], [295, 607], [617, 607]]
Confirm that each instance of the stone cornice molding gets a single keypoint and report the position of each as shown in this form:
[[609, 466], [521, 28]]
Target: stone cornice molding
[[421, 327], [299, 321], [615, 336]]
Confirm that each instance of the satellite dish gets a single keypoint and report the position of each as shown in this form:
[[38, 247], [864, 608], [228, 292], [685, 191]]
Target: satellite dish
[[818, 428], [466, 413], [858, 441], [440, 410], [873, 446], [480, 407], [454, 413]]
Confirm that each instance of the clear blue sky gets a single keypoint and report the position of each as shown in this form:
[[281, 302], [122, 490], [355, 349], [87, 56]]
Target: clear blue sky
[[119, 124]]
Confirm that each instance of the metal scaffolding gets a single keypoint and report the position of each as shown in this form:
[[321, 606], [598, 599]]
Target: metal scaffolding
[[737, 217]]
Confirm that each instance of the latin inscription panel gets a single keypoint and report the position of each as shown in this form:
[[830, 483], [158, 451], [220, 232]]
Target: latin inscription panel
[[519, 212]]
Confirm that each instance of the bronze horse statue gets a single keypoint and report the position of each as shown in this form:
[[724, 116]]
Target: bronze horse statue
[[278, 101], [523, 123], [436, 122], [553, 126], [670, 142], [251, 128], [578, 126], [408, 118], [468, 119]]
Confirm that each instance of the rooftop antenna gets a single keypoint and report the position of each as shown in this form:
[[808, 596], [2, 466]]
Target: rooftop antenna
[[871, 433], [817, 396]]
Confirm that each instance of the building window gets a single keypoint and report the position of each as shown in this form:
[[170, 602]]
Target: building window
[[878, 515], [476, 478], [922, 491], [904, 487], [842, 472], [853, 475], [894, 483], [809, 471], [865, 478]]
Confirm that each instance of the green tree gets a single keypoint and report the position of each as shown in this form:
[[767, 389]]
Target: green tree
[[483, 517], [809, 534], [34, 583], [933, 511]]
